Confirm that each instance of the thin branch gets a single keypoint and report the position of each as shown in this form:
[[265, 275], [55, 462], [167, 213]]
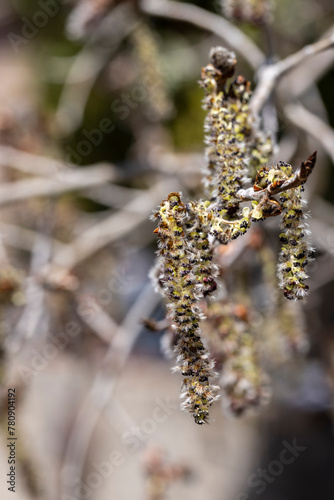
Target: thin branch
[[298, 179], [53, 186], [97, 318], [111, 195], [24, 239], [84, 19], [208, 21], [30, 325], [269, 75], [301, 78]]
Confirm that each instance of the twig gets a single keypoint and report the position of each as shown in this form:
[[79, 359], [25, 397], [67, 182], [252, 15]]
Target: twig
[[112, 195], [298, 179], [269, 75], [208, 21], [3, 253], [323, 210], [85, 16], [52, 186], [97, 319], [24, 239], [94, 55]]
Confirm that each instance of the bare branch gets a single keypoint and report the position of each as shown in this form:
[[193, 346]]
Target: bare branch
[[73, 99], [29, 163], [53, 186], [269, 75], [24, 239], [98, 320], [232, 36], [298, 179]]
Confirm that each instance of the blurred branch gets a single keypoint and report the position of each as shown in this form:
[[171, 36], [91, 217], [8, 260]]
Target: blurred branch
[[232, 36], [3, 253], [103, 386], [85, 16], [114, 227], [270, 74], [86, 177], [300, 78], [29, 327], [99, 321], [298, 179], [29, 163], [323, 209], [24, 239], [93, 56], [313, 125], [112, 195]]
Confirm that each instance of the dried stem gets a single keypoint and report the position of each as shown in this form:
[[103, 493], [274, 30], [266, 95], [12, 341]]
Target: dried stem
[[104, 383], [53, 186], [232, 36], [271, 74]]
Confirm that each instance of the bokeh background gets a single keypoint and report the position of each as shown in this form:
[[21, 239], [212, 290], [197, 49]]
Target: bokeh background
[[100, 118]]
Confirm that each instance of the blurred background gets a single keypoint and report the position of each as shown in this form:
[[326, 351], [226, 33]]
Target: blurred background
[[100, 118]]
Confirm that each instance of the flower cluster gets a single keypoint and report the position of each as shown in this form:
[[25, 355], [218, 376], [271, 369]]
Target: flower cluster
[[227, 127], [187, 234], [232, 137], [296, 251], [183, 280], [243, 383], [252, 11], [159, 106]]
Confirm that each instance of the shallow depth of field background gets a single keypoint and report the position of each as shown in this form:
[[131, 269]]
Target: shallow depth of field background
[[75, 95]]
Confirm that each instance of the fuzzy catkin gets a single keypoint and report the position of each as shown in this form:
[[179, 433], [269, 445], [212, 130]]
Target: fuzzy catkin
[[235, 147], [227, 127], [296, 250], [182, 282], [187, 234], [243, 383]]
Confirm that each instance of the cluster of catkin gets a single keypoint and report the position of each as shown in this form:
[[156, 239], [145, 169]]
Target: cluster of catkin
[[187, 234], [186, 274], [296, 250], [232, 139], [234, 347], [158, 105]]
